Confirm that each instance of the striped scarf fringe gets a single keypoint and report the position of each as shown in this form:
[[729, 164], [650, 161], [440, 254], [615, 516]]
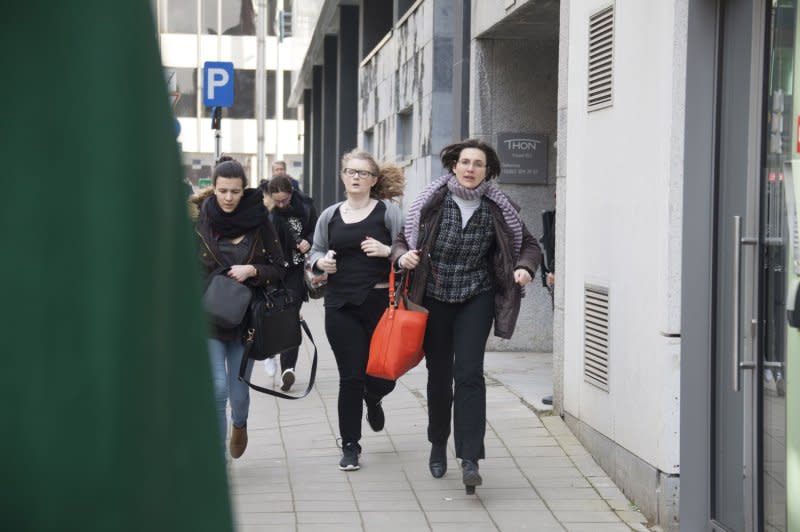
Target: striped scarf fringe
[[510, 214]]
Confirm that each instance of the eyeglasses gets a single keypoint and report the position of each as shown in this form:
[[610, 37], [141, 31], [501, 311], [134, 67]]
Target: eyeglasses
[[478, 165], [352, 172]]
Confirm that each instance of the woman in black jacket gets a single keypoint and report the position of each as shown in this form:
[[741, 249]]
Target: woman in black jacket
[[234, 231], [294, 217]]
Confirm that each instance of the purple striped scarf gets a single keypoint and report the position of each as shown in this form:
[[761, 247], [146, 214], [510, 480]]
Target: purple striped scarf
[[510, 214]]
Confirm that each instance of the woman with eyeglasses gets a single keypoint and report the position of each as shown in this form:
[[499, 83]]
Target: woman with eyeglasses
[[352, 241], [293, 215], [471, 256]]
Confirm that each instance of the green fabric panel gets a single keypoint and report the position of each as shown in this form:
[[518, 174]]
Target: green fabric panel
[[108, 421]]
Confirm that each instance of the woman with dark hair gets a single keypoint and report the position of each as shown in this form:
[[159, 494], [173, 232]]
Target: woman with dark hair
[[351, 244], [234, 231], [471, 255], [293, 215]]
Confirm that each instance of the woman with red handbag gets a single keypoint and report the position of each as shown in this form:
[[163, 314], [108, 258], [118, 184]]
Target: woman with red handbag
[[471, 255], [352, 242]]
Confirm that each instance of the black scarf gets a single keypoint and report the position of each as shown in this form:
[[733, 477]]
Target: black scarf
[[248, 215], [295, 208]]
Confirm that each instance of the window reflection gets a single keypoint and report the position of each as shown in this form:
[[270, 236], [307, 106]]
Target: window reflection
[[179, 16]]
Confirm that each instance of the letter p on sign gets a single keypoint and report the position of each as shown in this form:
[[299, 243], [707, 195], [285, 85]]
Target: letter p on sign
[[218, 84]]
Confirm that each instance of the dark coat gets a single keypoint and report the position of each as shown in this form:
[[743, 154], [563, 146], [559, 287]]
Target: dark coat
[[508, 294], [265, 254]]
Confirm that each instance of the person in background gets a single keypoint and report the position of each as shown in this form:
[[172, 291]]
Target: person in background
[[293, 215], [471, 255], [352, 244], [279, 169], [233, 229]]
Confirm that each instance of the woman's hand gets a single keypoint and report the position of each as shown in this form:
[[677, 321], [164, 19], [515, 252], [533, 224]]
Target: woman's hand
[[409, 260], [328, 263], [374, 248], [303, 246], [522, 276], [242, 272]]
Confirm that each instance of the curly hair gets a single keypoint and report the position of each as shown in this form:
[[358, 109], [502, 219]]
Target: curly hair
[[450, 155], [391, 180]]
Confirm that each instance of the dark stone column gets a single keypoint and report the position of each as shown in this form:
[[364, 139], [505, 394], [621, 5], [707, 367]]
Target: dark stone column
[[347, 87], [307, 141], [461, 63], [316, 135], [329, 162], [376, 21]]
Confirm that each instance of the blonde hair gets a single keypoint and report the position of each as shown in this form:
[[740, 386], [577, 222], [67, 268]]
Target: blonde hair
[[391, 181]]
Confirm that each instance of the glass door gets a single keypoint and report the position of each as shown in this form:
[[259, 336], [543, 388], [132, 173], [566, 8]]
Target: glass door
[[778, 252]]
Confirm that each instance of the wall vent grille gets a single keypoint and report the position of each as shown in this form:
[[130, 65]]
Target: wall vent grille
[[601, 59], [595, 336]]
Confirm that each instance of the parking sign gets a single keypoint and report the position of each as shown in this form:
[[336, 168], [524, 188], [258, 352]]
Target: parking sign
[[218, 84]]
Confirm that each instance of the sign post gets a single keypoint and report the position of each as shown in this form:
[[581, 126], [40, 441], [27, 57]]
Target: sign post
[[524, 157], [218, 90]]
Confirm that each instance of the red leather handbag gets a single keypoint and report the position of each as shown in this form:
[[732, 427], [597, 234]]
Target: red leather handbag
[[396, 344]]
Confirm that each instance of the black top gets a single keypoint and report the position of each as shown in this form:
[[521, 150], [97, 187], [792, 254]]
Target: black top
[[356, 274], [235, 253]]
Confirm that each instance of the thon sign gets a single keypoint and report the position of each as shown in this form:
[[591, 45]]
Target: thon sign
[[217, 84], [524, 157]]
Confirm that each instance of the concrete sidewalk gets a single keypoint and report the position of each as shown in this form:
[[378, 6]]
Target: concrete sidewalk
[[536, 475]]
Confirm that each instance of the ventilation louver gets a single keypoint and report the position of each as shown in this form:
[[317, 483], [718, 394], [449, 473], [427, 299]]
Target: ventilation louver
[[601, 58], [595, 336]]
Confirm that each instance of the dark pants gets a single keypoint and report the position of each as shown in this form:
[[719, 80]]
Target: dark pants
[[349, 331], [294, 281], [455, 341]]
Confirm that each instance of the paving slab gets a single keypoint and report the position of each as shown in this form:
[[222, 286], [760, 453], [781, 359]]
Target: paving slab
[[537, 476]]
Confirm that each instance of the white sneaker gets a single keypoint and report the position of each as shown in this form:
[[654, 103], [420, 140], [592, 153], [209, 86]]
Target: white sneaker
[[287, 379], [271, 366]]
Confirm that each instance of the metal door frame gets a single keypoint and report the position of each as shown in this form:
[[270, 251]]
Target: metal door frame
[[697, 296]]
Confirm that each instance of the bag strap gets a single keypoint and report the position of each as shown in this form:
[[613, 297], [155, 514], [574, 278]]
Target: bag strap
[[246, 359]]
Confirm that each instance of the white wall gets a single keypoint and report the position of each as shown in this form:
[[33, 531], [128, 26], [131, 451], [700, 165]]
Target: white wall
[[623, 227]]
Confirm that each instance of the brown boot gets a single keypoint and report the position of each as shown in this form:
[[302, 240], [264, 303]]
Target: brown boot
[[238, 440]]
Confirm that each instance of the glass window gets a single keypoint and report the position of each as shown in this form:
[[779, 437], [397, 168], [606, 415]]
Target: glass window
[[186, 81], [238, 18], [271, 94], [210, 24], [272, 8], [289, 113], [180, 16]]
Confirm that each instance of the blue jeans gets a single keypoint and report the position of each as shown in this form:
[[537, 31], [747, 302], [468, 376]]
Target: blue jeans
[[226, 382]]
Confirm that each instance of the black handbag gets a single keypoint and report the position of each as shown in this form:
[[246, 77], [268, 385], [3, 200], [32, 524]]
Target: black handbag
[[249, 342], [226, 300], [273, 322]]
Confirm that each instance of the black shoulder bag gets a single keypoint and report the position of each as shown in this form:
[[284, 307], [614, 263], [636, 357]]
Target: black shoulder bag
[[273, 327]]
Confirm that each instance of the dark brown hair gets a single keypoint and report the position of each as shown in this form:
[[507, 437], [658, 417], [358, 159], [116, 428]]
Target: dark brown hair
[[230, 168], [450, 155], [280, 183]]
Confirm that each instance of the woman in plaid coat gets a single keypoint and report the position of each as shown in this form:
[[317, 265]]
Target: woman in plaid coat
[[471, 255]]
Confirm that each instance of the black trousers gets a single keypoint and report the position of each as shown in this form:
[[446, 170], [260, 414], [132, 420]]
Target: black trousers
[[455, 342], [349, 331], [294, 281]]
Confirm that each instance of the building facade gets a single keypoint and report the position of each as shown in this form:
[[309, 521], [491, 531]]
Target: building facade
[[192, 32], [404, 79], [667, 139]]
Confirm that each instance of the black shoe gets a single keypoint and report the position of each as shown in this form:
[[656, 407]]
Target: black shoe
[[438, 460], [375, 416], [470, 475], [349, 461]]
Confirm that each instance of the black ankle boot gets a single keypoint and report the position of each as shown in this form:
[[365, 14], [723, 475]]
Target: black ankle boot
[[438, 460], [470, 475]]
